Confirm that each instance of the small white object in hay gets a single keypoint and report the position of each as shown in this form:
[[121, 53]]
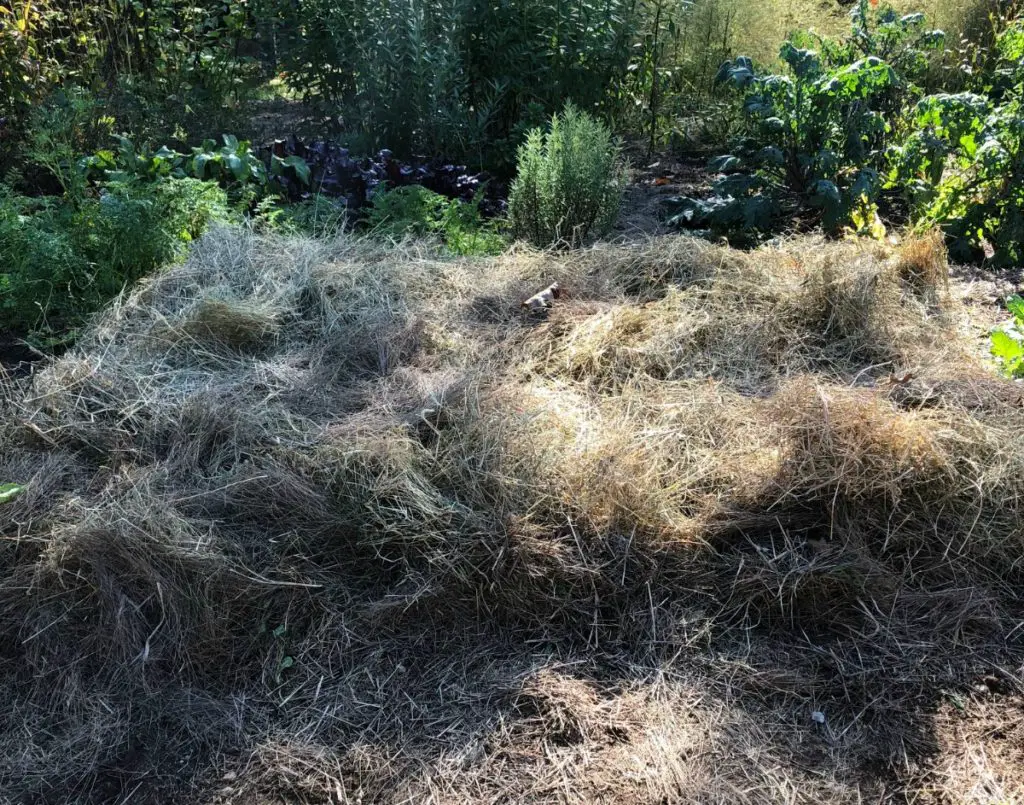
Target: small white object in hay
[[541, 302]]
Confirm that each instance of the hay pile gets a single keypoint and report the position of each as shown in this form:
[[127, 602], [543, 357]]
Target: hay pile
[[328, 522]]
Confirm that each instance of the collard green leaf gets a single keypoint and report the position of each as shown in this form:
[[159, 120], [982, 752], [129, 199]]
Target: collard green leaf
[[804, 63], [738, 73], [199, 165], [825, 193], [740, 184], [237, 167]]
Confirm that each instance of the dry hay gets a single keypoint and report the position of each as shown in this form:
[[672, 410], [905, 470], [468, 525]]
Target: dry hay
[[323, 521]]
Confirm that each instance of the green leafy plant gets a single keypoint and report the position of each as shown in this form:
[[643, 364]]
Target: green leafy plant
[[62, 259], [319, 216], [818, 136], [129, 161], [233, 163], [962, 164], [414, 210], [235, 166], [70, 123], [159, 63], [1007, 343], [569, 182]]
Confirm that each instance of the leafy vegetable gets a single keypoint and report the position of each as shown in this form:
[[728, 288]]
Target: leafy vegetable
[[962, 165], [818, 135], [235, 166]]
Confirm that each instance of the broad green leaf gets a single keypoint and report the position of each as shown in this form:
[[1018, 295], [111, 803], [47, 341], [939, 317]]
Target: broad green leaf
[[1015, 304], [825, 192], [301, 168], [237, 167], [804, 62], [199, 163], [1007, 348]]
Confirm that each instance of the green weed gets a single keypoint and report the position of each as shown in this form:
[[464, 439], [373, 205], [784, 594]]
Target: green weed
[[415, 210]]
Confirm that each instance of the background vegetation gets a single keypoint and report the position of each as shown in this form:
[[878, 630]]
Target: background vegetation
[[460, 77], [857, 119]]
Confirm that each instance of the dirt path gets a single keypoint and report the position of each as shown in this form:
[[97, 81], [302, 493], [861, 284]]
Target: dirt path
[[654, 180]]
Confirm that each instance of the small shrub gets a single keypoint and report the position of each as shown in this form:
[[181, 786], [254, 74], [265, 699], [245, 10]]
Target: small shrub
[[414, 210], [70, 123], [135, 227], [569, 182], [38, 259]]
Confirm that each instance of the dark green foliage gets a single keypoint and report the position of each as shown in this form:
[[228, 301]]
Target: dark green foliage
[[62, 258], [463, 78], [817, 137], [962, 164], [157, 64], [70, 123], [569, 183]]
